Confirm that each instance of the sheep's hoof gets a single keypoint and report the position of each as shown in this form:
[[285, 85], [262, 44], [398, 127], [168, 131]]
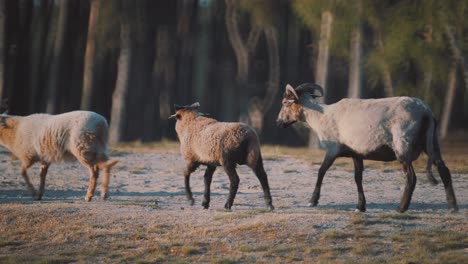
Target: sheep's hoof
[[402, 210], [104, 196], [191, 202], [37, 197], [360, 209], [454, 210], [227, 207], [270, 207], [205, 205], [88, 198], [312, 204]]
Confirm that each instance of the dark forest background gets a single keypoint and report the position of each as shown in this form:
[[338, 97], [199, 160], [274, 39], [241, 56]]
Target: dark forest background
[[132, 60]]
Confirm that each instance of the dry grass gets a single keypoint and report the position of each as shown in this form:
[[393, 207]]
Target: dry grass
[[143, 232]]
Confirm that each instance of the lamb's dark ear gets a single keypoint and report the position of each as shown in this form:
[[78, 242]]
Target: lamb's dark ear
[[3, 121], [177, 107], [4, 106]]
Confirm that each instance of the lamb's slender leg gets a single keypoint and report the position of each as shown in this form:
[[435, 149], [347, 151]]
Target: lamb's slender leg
[[263, 178], [24, 173], [409, 188], [358, 168], [43, 174], [93, 176], [234, 186], [105, 183], [327, 162], [444, 173], [207, 178], [191, 167]]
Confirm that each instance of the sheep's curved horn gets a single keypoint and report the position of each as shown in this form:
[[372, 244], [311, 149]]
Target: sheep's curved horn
[[290, 89], [310, 88], [195, 105], [177, 107]]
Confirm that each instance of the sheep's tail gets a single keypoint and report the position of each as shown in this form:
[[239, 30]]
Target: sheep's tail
[[432, 149], [253, 153]]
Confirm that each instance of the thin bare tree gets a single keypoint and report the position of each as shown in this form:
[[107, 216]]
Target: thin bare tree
[[88, 72], [119, 107]]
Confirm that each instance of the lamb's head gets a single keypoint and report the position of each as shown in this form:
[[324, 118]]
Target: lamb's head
[[292, 109], [182, 111], [7, 124]]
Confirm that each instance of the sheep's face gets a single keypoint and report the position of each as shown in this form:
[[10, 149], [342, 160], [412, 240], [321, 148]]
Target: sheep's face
[[291, 109]]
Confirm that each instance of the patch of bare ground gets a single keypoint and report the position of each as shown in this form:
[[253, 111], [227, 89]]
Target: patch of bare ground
[[147, 218]]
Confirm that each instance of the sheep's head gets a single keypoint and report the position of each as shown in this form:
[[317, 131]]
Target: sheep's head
[[181, 110], [291, 109]]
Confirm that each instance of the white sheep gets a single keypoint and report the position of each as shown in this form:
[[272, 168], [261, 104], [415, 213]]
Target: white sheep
[[48, 138], [205, 141], [387, 129]]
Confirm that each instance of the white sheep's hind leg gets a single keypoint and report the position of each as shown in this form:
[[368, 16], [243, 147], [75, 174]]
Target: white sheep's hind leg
[[24, 173], [43, 174], [93, 176], [358, 168]]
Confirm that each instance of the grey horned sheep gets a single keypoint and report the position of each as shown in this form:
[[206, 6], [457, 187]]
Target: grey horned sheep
[[205, 141], [48, 138], [386, 129]]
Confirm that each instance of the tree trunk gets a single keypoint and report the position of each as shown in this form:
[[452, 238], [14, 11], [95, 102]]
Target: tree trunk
[[385, 70], [88, 76], [38, 40], [242, 57], [119, 106], [259, 108], [459, 58], [427, 82], [321, 73], [2, 47], [354, 85], [355, 67], [202, 53], [449, 98], [163, 74], [56, 60]]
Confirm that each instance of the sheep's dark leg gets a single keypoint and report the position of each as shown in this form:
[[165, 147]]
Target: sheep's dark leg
[[444, 173], [207, 178], [24, 173], [327, 162], [409, 188], [93, 176], [44, 168], [234, 179], [191, 167], [358, 168], [263, 178]]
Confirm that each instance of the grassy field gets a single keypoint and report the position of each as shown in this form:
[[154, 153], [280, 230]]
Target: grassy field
[[156, 225]]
